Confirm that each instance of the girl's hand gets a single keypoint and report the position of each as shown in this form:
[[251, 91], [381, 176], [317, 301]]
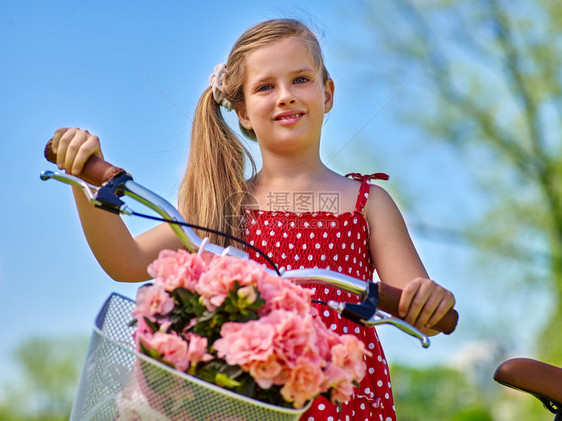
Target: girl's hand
[[74, 147], [423, 303]]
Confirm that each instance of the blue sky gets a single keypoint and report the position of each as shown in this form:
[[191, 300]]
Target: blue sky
[[132, 72]]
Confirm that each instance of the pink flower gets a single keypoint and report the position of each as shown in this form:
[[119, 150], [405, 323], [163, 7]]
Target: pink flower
[[340, 382], [282, 294], [175, 269], [143, 333], [172, 349], [243, 343], [303, 384], [295, 336], [348, 355], [222, 273], [269, 372], [152, 301], [197, 349]]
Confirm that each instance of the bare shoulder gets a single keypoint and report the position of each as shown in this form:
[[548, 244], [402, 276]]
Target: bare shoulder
[[346, 189], [380, 207]]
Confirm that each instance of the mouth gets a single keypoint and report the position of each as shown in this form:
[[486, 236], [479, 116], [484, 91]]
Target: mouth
[[289, 117]]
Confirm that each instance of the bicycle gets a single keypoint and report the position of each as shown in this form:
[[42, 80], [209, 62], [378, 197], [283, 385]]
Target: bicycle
[[544, 381], [111, 359]]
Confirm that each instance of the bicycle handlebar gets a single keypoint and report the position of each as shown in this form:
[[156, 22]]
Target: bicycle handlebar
[[97, 172]]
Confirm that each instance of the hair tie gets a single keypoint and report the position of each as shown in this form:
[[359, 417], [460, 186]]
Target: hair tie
[[215, 81]]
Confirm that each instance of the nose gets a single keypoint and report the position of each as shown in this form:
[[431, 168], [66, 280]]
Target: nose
[[285, 96]]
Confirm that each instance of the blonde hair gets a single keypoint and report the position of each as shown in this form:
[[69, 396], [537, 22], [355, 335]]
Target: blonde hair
[[213, 189]]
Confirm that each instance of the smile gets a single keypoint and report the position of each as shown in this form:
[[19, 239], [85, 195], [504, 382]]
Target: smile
[[288, 117]]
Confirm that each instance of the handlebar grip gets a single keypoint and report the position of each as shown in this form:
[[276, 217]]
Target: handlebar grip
[[96, 171], [389, 298]]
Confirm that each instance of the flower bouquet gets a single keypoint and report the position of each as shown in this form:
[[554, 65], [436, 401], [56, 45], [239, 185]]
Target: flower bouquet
[[229, 322]]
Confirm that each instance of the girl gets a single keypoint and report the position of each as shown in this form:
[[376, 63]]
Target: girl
[[276, 82]]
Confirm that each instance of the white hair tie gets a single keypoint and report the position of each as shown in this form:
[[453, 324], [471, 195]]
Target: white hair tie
[[215, 81]]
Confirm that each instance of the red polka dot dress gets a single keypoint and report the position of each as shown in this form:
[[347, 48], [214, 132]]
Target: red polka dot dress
[[338, 242]]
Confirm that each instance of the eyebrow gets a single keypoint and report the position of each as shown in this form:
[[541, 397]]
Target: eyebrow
[[294, 72]]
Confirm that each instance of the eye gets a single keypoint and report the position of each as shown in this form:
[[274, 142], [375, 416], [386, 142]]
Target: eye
[[301, 79], [264, 88]]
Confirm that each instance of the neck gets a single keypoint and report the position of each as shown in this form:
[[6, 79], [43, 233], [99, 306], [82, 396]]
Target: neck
[[291, 171]]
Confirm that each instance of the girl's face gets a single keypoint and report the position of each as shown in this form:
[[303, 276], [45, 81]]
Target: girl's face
[[285, 98]]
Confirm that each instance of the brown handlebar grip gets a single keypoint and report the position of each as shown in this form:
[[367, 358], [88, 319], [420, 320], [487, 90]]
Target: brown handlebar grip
[[96, 171], [389, 298]]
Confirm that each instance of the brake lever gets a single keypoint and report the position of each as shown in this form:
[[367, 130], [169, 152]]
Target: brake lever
[[104, 197], [380, 318], [366, 314]]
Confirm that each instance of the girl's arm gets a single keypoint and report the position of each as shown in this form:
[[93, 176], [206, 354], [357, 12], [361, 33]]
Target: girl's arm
[[124, 257], [423, 302]]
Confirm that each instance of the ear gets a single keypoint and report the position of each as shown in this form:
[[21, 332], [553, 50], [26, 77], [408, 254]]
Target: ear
[[328, 95], [243, 117]]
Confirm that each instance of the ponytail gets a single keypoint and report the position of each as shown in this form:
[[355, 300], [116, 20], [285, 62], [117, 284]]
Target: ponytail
[[213, 189]]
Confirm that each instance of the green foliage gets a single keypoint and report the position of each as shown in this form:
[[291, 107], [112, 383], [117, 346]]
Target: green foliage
[[436, 393], [49, 372], [491, 92]]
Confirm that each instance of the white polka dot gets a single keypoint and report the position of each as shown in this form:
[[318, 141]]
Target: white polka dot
[[258, 232], [326, 313], [345, 329], [357, 330], [333, 326], [296, 257], [321, 406], [371, 370], [379, 383], [371, 346]]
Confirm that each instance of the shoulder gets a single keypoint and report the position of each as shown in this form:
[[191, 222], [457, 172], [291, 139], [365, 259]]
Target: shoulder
[[380, 208]]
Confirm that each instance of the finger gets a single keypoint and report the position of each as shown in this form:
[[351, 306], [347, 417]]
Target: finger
[[447, 303], [89, 148], [73, 147], [427, 311], [407, 297], [63, 143], [421, 299], [56, 138]]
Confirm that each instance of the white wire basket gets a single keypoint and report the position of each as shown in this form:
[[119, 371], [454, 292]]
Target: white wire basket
[[118, 383]]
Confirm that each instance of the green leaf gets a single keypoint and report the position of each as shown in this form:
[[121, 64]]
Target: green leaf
[[223, 380]]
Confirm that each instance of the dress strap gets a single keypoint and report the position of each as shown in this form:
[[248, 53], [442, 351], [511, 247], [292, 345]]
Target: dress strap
[[365, 186]]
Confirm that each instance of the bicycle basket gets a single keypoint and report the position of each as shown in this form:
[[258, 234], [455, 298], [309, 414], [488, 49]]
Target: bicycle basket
[[118, 383]]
